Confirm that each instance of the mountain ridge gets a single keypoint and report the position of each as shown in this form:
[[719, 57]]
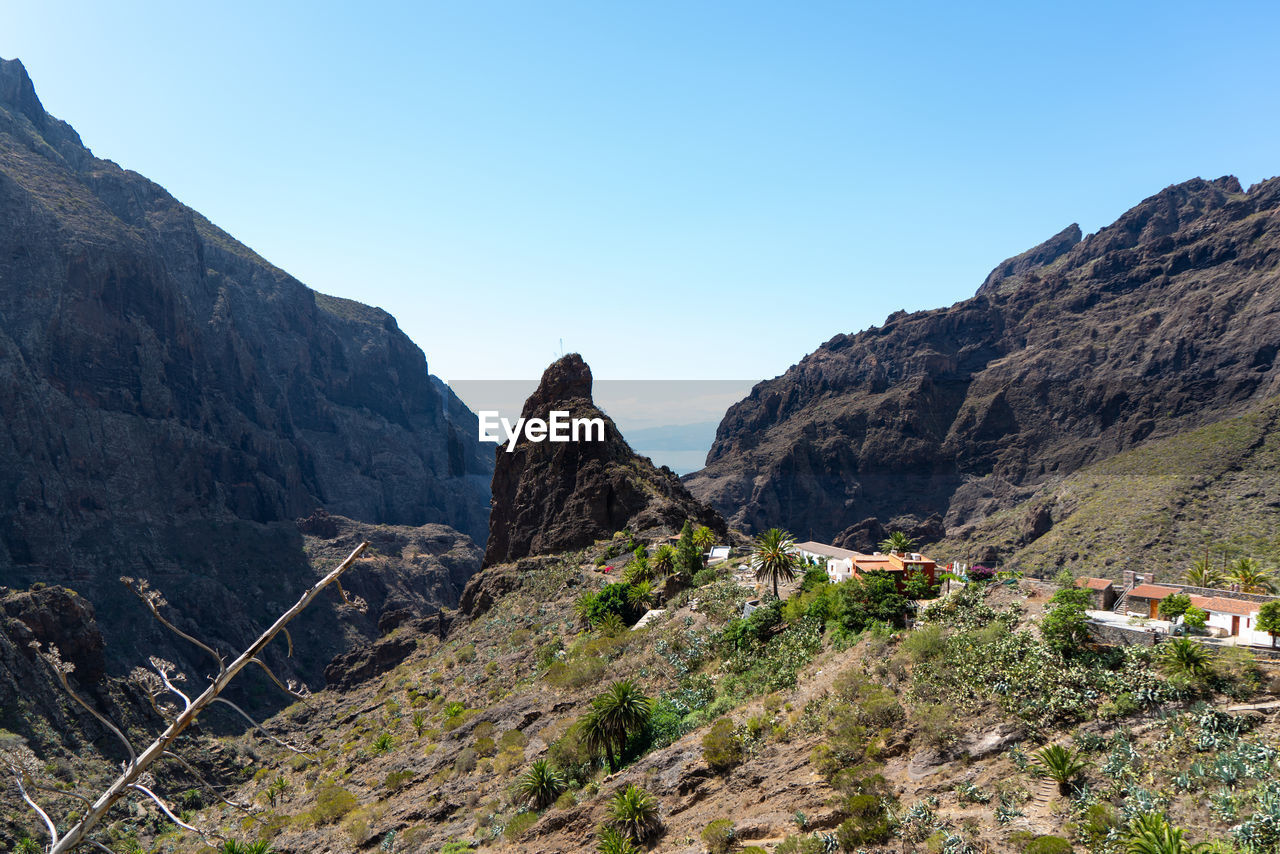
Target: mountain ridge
[[173, 402], [1067, 354]]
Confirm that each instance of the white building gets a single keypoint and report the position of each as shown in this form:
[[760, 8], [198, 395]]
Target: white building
[[839, 562], [1233, 617]]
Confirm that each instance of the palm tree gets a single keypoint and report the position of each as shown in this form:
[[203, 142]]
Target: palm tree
[[637, 570], [1062, 765], [663, 560], [897, 543], [774, 558], [641, 595], [704, 538], [614, 715], [1202, 573], [1149, 833], [635, 812], [540, 785], [1250, 577], [1183, 655]]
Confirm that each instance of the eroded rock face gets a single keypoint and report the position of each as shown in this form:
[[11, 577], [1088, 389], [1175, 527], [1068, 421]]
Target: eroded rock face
[[551, 497], [172, 402], [1165, 320]]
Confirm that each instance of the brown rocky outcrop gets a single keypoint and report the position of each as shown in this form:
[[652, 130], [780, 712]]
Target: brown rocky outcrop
[[1166, 320], [172, 402], [553, 497]]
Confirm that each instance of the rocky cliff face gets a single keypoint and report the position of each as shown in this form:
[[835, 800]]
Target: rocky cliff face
[[557, 496], [172, 402], [1166, 320]]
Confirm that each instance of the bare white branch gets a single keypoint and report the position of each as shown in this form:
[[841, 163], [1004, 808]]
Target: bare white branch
[[154, 600], [129, 780], [292, 689], [138, 787], [60, 669], [44, 816]]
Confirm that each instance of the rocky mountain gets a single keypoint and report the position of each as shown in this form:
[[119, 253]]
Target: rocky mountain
[[1069, 354], [555, 496], [172, 402]]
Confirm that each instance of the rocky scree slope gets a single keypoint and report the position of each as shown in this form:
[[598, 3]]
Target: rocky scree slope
[[172, 402], [550, 497], [1077, 350]]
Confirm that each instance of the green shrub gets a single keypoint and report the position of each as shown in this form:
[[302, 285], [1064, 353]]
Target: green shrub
[[720, 836], [1174, 606], [867, 824], [396, 780], [465, 763], [577, 672], [1195, 619], [332, 803], [485, 746], [1048, 845], [519, 824], [383, 743], [571, 755], [721, 746], [926, 643]]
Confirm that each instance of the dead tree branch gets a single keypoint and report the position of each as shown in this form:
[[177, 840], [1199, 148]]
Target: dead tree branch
[[135, 778]]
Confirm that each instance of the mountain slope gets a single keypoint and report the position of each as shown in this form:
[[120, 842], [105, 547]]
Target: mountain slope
[[172, 402], [1164, 321], [1208, 490]]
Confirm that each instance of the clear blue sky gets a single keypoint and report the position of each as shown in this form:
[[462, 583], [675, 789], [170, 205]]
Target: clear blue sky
[[676, 189]]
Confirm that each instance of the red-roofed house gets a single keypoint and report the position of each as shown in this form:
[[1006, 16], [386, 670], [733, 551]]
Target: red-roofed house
[[843, 564], [1144, 599], [1235, 617], [1103, 590]]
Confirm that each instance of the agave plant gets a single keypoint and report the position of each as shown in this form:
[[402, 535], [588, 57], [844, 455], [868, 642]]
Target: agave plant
[[540, 785], [1061, 764], [634, 812]]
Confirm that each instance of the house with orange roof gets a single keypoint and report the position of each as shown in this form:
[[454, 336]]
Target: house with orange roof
[[1232, 617], [1144, 599], [844, 564], [1103, 590]]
